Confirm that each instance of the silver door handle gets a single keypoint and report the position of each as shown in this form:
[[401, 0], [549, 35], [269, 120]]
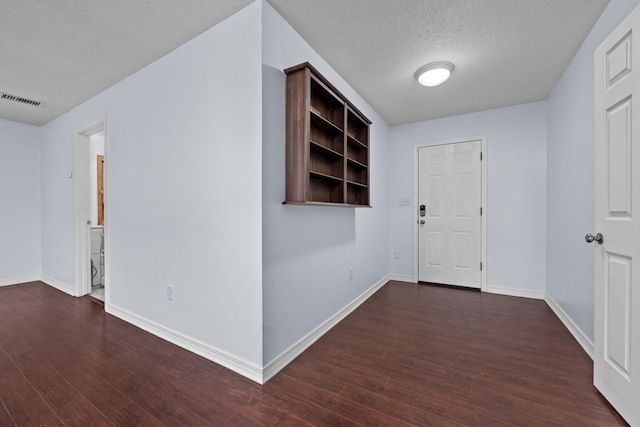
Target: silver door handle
[[590, 238], [422, 221]]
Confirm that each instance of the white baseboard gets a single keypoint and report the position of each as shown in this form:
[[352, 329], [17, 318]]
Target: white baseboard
[[19, 280], [401, 278], [236, 364], [286, 357], [71, 290], [577, 333], [515, 292]]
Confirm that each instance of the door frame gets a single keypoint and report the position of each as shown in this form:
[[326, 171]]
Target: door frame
[[100, 195], [82, 201], [485, 210]]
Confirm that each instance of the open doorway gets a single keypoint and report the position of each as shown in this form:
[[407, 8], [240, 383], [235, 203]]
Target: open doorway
[[90, 219], [96, 192]]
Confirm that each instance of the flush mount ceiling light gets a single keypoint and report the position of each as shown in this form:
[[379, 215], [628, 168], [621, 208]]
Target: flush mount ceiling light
[[434, 74]]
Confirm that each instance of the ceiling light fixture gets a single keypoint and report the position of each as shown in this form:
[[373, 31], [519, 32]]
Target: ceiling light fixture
[[434, 74]]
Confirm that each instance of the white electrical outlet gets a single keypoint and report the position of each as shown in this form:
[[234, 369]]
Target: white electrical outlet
[[396, 254], [404, 201], [170, 292], [350, 273]]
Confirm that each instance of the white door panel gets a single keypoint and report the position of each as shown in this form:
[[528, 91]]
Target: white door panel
[[617, 168], [450, 233]]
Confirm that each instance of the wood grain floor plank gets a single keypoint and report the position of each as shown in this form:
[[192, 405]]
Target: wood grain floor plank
[[242, 395], [202, 404], [133, 416], [288, 400], [5, 417], [66, 401], [240, 420], [160, 406], [21, 400], [350, 410], [94, 387], [319, 372]]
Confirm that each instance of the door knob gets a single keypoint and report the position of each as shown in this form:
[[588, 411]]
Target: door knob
[[597, 238], [422, 221]]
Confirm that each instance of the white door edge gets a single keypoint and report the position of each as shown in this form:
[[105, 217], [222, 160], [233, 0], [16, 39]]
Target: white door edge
[[483, 255]]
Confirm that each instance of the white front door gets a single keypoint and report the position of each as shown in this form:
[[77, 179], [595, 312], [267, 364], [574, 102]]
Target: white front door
[[449, 217], [617, 202]]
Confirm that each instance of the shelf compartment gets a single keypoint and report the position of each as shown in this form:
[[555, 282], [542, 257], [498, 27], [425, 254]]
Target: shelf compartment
[[355, 163], [326, 164], [357, 152], [325, 189], [355, 143], [320, 148], [357, 128], [324, 124], [357, 194], [357, 175], [324, 103], [323, 133]]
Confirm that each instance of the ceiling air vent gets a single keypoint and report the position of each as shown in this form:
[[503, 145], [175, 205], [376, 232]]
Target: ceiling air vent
[[19, 99]]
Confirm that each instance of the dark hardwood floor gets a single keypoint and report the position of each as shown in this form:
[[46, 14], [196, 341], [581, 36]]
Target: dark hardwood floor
[[410, 355]]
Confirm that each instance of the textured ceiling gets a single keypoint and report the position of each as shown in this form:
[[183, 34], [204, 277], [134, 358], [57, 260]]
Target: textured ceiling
[[63, 52], [506, 52]]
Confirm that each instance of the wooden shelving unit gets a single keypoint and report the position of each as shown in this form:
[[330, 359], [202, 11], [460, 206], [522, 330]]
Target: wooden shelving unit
[[327, 143]]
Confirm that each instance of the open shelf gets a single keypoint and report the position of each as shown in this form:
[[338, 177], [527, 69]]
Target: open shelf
[[325, 104], [325, 189], [357, 174], [357, 128], [322, 148], [327, 143], [326, 165], [357, 194]]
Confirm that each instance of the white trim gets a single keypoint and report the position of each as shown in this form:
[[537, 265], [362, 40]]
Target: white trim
[[402, 278], [67, 289], [19, 280], [516, 292], [236, 364], [287, 356], [581, 337], [485, 207]]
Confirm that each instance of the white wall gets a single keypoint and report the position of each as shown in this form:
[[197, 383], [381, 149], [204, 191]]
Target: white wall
[[19, 202], [96, 147], [183, 189], [516, 159], [307, 250], [570, 176]]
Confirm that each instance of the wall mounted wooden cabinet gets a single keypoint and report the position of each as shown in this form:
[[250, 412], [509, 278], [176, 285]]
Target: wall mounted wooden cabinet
[[327, 143]]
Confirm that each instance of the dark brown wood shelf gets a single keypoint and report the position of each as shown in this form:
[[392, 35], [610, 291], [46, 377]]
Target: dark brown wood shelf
[[325, 176], [357, 184], [327, 151], [320, 148], [324, 124], [360, 145], [355, 163]]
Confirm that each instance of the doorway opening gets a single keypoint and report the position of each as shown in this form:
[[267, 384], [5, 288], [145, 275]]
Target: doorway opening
[[450, 214], [89, 210]]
